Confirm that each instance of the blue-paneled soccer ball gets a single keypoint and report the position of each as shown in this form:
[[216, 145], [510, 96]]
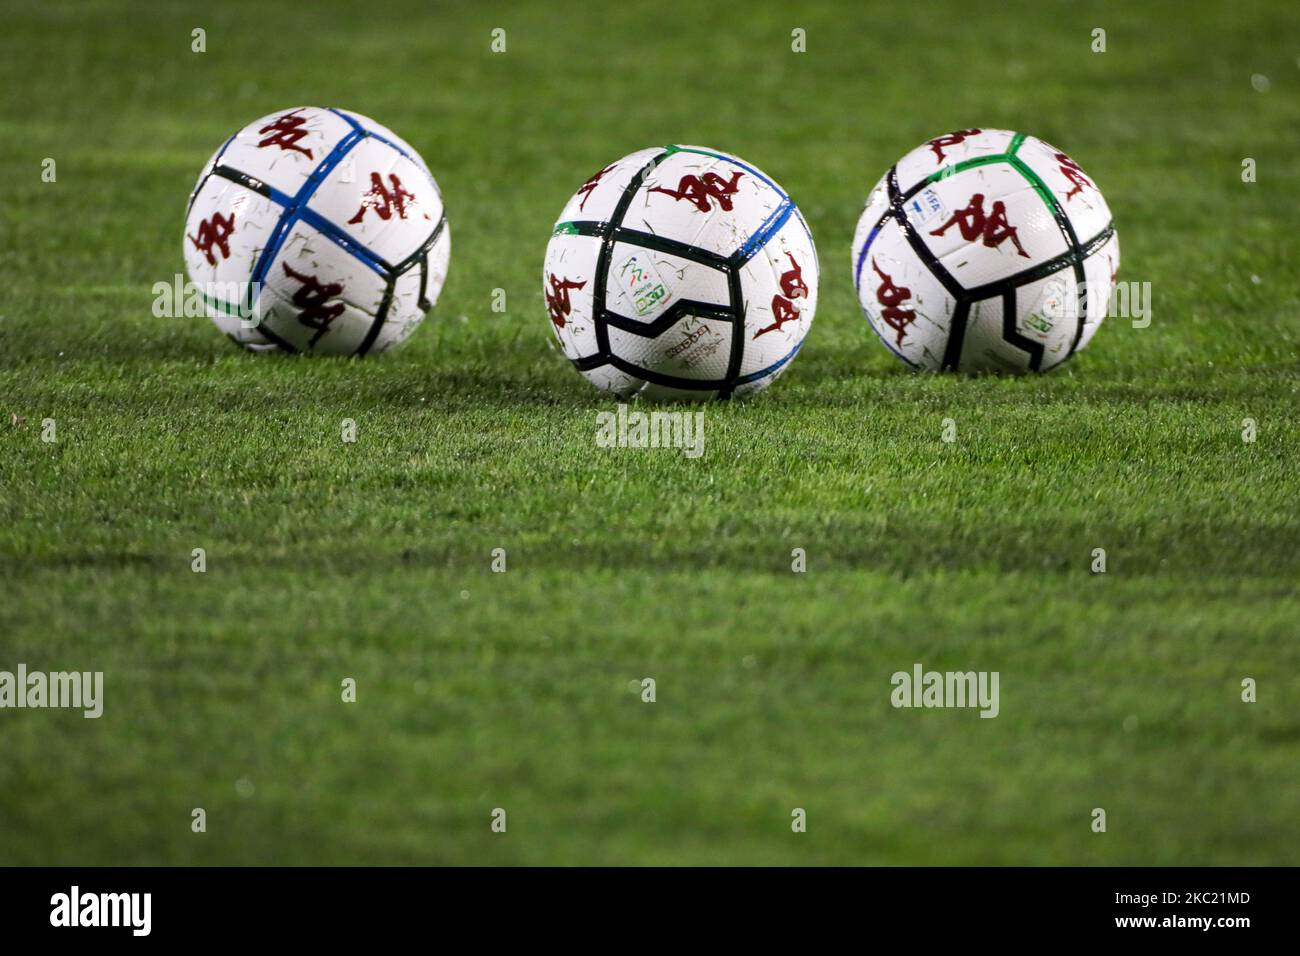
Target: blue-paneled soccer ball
[[319, 231]]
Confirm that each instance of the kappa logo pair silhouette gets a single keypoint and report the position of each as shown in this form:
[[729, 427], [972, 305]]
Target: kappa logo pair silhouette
[[697, 190], [287, 131]]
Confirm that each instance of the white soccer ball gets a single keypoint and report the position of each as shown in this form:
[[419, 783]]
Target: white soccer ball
[[323, 225], [680, 273], [985, 250]]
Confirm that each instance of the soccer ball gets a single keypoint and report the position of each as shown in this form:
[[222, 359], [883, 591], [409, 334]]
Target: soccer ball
[[680, 273], [985, 250], [323, 225]]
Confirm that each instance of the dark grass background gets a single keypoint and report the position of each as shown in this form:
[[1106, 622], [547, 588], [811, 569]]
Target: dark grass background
[[481, 690]]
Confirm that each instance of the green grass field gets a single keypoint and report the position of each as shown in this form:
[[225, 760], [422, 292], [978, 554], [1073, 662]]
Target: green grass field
[[479, 690]]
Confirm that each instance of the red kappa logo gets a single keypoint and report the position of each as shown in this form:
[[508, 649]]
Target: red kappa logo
[[793, 287], [891, 297], [585, 190], [312, 301], [384, 201], [940, 143], [1071, 171], [214, 232], [285, 132], [698, 190], [993, 229], [558, 304]]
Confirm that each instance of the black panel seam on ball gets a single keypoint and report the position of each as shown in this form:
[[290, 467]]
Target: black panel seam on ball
[[607, 248]]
